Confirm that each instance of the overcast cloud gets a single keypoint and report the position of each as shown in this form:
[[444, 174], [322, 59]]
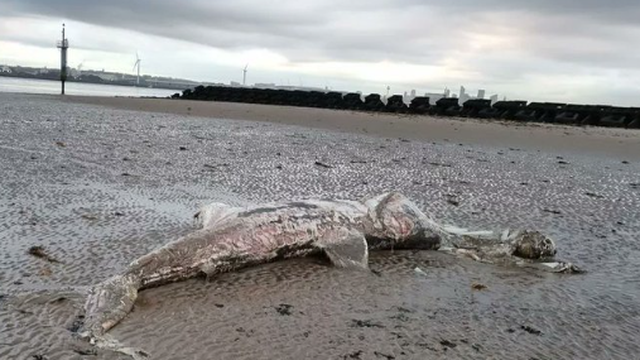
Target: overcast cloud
[[575, 51]]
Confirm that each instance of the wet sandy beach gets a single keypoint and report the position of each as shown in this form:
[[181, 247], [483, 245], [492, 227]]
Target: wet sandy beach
[[593, 141], [98, 186]]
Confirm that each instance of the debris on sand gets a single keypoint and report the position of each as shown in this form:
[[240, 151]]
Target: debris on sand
[[479, 287], [383, 355], [353, 355], [403, 310], [434, 163], [39, 252], [562, 162], [86, 352], [453, 202], [209, 166], [531, 330], [89, 217], [365, 323], [451, 199], [427, 346], [593, 195], [419, 271], [61, 144], [284, 309], [321, 164], [77, 323], [447, 343], [556, 212]]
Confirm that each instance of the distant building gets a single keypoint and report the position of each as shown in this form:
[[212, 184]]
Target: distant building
[[5, 69], [447, 92], [106, 76], [494, 99], [481, 93], [463, 97], [265, 85], [235, 83], [433, 97]]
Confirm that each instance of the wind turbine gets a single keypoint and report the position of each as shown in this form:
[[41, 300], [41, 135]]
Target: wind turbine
[[244, 75], [137, 64], [78, 71]]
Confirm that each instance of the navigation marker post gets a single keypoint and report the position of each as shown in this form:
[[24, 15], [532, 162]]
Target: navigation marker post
[[63, 46]]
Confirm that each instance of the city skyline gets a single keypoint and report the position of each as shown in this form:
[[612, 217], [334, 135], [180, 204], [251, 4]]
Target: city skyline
[[108, 76], [527, 51]]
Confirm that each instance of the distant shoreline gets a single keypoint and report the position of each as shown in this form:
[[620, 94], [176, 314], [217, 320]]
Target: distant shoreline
[[73, 80], [591, 141]]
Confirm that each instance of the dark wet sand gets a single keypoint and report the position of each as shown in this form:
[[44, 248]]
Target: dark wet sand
[[586, 140], [98, 187]]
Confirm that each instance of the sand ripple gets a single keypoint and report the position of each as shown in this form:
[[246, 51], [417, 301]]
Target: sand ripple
[[98, 187]]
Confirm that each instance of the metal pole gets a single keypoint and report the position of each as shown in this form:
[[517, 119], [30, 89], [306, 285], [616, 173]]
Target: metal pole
[[63, 58]]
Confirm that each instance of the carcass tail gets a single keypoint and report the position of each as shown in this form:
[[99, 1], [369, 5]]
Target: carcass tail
[[107, 304]]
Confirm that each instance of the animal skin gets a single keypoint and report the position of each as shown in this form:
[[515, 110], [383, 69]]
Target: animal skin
[[230, 238]]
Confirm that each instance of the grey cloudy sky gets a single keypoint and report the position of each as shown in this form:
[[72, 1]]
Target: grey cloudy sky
[[575, 51]]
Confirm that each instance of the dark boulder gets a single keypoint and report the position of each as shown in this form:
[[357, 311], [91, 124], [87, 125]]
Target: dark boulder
[[396, 104], [472, 107], [419, 105], [446, 106], [333, 100], [353, 101], [373, 102], [508, 109], [540, 112]]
